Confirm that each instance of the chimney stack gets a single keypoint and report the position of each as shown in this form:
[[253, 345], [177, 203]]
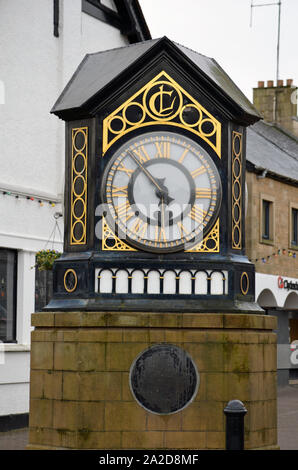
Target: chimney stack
[[275, 103]]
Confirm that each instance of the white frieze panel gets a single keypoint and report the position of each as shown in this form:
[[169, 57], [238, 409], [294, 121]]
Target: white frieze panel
[[160, 281]]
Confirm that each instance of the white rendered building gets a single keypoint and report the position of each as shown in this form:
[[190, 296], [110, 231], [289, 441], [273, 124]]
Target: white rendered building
[[42, 42]]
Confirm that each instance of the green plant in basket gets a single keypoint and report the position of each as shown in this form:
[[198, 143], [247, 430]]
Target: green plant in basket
[[45, 259]]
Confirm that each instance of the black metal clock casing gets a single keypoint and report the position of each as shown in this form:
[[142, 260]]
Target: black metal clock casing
[[155, 184]]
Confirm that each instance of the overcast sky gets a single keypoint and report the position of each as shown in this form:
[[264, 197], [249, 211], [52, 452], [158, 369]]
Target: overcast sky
[[221, 29]]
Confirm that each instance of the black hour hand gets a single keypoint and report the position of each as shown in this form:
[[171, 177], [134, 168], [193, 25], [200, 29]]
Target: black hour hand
[[163, 192]]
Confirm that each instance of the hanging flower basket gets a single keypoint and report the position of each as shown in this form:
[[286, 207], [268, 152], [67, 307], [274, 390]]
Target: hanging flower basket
[[45, 259]]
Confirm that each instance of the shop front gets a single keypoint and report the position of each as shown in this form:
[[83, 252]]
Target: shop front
[[278, 296]]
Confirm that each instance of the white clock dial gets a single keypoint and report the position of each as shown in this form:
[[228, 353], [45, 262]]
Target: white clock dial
[[162, 191]]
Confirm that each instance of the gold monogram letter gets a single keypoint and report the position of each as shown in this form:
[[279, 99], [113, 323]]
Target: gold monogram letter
[[162, 111]]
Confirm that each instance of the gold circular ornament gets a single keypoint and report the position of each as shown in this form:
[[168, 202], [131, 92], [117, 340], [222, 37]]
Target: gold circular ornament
[[244, 280], [70, 280]]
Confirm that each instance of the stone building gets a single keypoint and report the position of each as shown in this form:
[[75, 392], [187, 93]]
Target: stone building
[[42, 44], [272, 214]]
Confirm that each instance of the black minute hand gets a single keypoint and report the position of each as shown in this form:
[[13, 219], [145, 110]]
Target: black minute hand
[[162, 191], [151, 178]]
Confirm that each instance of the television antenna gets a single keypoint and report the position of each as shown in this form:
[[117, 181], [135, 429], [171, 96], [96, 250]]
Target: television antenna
[[278, 3]]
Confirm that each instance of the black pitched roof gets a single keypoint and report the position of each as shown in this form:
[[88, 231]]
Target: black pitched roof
[[97, 70], [211, 68], [271, 148]]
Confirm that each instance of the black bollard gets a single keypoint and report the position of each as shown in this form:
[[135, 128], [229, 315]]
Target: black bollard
[[235, 412]]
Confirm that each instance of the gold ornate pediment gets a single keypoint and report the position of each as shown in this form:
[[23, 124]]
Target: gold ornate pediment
[[162, 101]]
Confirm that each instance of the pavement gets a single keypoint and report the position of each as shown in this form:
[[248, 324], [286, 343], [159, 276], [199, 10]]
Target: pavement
[[287, 410]]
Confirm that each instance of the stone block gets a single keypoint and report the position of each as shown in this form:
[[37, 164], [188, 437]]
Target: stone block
[[215, 440], [142, 440], [131, 335], [68, 319], [65, 356], [126, 392], [66, 416], [127, 319], [92, 386], [98, 440], [41, 413], [207, 356], [270, 357], [185, 440], [42, 355], [202, 390], [203, 416], [52, 385], [121, 416], [209, 320], [71, 385], [91, 356], [174, 336], [42, 319], [171, 422], [36, 384], [165, 320], [157, 335], [119, 356], [41, 435], [91, 416]]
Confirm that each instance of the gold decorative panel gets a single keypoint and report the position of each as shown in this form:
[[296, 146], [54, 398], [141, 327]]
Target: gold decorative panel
[[162, 101], [78, 195], [210, 244], [110, 241], [236, 190]]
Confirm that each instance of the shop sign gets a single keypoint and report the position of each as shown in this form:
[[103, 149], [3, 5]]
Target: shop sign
[[286, 284]]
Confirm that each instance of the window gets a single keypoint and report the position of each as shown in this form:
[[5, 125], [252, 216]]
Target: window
[[43, 288], [267, 220], [294, 228], [8, 282], [125, 15], [98, 10]]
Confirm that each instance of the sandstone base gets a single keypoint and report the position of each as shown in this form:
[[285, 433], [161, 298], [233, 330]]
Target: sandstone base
[[80, 396]]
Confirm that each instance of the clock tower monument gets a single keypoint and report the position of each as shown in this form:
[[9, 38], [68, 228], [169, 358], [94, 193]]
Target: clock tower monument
[[153, 305]]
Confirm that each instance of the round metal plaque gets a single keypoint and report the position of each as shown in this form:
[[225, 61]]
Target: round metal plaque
[[164, 379]]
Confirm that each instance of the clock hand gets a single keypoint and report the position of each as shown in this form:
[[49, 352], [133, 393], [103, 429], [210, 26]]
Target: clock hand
[[162, 190], [153, 180]]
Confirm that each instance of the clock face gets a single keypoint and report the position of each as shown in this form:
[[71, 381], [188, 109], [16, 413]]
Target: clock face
[[162, 192]]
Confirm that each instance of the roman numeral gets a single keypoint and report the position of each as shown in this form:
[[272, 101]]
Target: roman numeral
[[142, 154], [182, 229], [139, 227], [198, 171], [119, 191], [163, 149], [160, 234], [197, 214], [183, 156], [203, 193], [128, 171], [124, 211]]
